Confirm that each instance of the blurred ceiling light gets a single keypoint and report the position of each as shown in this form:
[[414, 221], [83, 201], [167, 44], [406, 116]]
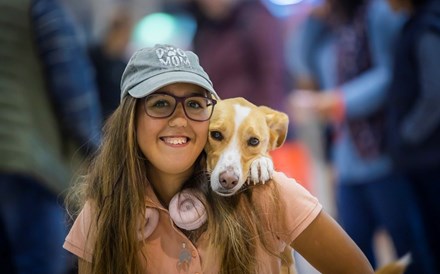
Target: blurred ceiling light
[[284, 8], [285, 2], [164, 28]]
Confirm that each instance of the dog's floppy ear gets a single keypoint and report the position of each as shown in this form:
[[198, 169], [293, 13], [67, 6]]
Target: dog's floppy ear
[[278, 123]]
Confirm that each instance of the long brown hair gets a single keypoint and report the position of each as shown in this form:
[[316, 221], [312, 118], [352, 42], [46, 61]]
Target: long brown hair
[[116, 183], [238, 225]]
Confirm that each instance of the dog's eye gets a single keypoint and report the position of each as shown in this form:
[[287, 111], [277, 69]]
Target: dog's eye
[[216, 135], [253, 142]]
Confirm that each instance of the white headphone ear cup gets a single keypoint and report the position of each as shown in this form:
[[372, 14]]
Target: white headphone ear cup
[[187, 211], [149, 223]]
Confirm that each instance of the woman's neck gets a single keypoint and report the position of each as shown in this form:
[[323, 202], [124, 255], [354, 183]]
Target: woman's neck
[[167, 185]]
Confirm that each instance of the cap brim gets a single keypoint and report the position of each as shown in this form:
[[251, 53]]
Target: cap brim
[[150, 85]]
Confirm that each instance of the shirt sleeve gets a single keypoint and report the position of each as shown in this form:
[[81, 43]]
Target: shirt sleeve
[[301, 207], [80, 240], [69, 73], [366, 93], [424, 117]]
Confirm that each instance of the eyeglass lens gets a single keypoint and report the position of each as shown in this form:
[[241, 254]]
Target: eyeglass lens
[[196, 108]]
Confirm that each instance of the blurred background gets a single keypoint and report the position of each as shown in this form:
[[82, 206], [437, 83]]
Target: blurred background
[[303, 57]]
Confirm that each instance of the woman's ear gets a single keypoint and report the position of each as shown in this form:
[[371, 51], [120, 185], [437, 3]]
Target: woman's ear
[[278, 123]]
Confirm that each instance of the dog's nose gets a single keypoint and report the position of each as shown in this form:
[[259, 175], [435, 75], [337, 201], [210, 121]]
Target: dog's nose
[[228, 179]]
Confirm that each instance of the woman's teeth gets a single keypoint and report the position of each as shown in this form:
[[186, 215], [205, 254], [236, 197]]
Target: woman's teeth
[[175, 141]]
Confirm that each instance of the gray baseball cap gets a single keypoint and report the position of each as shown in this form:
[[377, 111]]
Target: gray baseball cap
[[152, 68]]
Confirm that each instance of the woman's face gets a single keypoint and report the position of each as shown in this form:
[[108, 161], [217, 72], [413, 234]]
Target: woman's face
[[172, 145]]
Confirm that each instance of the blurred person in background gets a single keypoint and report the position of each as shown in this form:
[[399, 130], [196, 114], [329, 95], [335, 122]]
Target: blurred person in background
[[351, 61], [305, 47], [109, 58], [310, 53], [49, 120], [413, 110], [240, 45]]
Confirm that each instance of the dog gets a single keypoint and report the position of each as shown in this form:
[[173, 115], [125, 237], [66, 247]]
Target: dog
[[240, 138], [241, 135]]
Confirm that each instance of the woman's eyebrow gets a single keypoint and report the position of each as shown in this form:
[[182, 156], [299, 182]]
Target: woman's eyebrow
[[191, 93]]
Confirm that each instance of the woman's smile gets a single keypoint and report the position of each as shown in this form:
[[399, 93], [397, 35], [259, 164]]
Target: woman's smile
[[175, 140]]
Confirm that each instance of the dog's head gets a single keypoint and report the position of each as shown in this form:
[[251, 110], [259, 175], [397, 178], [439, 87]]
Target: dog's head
[[241, 134]]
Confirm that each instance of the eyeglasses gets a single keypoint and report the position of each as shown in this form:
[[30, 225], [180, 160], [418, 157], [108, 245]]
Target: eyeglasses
[[163, 105]]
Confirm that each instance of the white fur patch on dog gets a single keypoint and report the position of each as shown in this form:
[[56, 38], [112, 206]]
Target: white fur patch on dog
[[261, 170], [241, 113], [230, 160]]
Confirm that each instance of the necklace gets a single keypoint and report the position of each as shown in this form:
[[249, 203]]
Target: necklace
[[184, 258]]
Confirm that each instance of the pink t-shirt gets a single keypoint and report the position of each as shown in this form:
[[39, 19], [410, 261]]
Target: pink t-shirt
[[168, 250]]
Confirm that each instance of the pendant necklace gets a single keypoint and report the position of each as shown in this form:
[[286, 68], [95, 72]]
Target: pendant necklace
[[184, 258]]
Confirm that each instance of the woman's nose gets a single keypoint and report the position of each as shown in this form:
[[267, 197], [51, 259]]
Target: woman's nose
[[178, 118]]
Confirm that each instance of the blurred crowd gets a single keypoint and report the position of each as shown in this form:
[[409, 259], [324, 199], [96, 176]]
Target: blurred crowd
[[360, 80]]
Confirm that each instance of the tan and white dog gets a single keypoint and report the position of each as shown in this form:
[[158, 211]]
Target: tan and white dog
[[240, 138]]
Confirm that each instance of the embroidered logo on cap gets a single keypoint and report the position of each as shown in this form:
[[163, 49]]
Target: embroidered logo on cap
[[172, 57]]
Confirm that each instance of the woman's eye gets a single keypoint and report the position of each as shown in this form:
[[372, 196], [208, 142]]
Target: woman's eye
[[253, 142], [216, 135], [194, 104], [160, 104]]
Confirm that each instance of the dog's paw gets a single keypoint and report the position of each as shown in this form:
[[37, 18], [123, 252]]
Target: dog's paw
[[261, 170]]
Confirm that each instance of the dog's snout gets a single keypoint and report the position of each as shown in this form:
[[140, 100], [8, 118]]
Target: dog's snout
[[228, 179]]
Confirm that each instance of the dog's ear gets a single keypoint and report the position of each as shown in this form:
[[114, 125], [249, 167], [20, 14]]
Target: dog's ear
[[278, 123]]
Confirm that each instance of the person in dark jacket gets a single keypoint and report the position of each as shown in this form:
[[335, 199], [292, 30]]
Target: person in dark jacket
[[353, 63], [413, 116]]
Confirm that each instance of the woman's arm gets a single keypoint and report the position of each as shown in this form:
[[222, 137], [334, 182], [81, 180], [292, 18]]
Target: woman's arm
[[326, 246]]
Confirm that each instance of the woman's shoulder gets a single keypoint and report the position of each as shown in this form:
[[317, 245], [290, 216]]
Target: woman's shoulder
[[290, 193], [288, 183], [80, 239], [296, 206]]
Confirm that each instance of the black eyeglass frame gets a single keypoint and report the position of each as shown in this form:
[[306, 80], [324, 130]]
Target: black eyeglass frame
[[180, 100]]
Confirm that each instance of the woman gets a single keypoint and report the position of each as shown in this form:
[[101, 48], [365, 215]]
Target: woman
[[152, 160]]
